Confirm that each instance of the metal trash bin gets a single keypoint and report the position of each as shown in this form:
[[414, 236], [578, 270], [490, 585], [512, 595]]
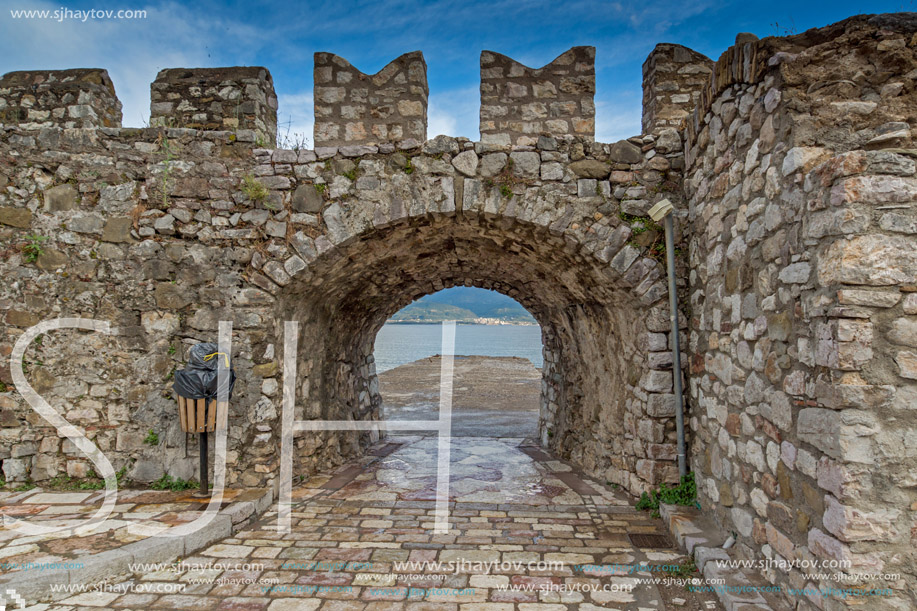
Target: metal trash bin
[[200, 409], [202, 416]]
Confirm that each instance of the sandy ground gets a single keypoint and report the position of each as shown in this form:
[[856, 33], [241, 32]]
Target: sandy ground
[[491, 397]]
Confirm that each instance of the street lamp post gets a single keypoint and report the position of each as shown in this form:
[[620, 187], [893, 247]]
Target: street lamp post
[[664, 210]]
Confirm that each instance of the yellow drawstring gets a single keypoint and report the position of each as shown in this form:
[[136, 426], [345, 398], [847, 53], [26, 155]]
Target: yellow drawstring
[[210, 356]]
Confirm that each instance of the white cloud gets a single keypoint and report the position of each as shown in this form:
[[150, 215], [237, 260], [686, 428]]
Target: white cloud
[[617, 120], [133, 51], [175, 35], [659, 15], [439, 121], [295, 119], [454, 113]]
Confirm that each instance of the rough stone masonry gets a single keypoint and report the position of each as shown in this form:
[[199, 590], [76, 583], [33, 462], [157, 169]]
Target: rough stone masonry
[[792, 159]]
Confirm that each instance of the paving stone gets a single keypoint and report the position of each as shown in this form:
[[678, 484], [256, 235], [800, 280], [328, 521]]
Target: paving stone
[[338, 529]]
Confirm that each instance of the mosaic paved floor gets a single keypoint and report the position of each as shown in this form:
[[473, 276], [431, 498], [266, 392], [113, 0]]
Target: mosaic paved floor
[[528, 533]]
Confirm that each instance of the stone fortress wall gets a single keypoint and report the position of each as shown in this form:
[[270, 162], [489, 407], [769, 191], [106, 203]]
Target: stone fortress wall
[[800, 183], [791, 160], [169, 229]]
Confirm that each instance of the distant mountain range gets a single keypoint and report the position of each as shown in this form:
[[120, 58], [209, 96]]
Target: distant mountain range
[[465, 304]]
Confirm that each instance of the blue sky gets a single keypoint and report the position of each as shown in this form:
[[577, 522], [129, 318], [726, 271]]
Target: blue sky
[[283, 37]]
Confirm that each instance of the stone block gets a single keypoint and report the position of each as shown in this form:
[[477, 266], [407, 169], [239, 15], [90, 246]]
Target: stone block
[[825, 547], [117, 229], [865, 396], [850, 524], [845, 481], [872, 260], [97, 568], [801, 158], [907, 364], [623, 151], [869, 298], [657, 381], [844, 435], [61, 198], [219, 528], [526, 164], [590, 168], [780, 542], [904, 332], [661, 405], [466, 163], [15, 217]]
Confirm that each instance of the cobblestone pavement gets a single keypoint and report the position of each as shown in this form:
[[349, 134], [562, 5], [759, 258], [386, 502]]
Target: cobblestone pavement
[[554, 534], [152, 508]]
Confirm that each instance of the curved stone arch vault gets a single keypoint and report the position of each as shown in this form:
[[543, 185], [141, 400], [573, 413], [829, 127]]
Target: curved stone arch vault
[[599, 302], [799, 277]]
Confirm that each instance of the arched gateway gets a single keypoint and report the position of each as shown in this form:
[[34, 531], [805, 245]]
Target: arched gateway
[[205, 225], [796, 255], [598, 300]]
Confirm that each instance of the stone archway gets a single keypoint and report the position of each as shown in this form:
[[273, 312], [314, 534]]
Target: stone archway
[[800, 266], [199, 225], [599, 404]]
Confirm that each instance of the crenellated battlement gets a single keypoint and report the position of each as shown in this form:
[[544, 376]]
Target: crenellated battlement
[[386, 109], [82, 97], [673, 78], [353, 108], [234, 99], [519, 103]]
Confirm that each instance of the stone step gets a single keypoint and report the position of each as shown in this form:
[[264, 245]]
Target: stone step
[[698, 534], [36, 586]]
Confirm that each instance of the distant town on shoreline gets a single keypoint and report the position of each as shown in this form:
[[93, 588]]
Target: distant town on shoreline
[[465, 305], [474, 321]]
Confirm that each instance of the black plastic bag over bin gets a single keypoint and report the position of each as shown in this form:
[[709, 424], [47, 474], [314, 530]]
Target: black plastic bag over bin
[[199, 379]]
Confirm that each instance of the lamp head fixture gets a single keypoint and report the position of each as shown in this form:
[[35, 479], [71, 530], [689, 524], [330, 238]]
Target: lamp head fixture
[[661, 210]]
